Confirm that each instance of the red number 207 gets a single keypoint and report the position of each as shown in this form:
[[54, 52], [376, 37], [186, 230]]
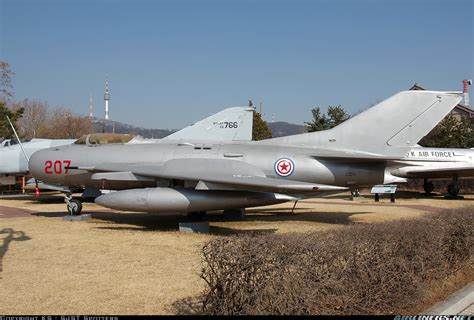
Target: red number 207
[[56, 167]]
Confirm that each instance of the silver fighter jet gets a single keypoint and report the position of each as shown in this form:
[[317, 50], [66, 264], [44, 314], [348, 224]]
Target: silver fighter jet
[[197, 176]]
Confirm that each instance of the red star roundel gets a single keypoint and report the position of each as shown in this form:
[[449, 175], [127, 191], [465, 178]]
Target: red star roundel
[[284, 167]]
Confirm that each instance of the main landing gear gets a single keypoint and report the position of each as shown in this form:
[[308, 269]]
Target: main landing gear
[[428, 186], [453, 188], [74, 206]]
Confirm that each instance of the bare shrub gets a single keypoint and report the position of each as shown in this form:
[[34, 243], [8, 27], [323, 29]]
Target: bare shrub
[[64, 124], [362, 269], [34, 120]]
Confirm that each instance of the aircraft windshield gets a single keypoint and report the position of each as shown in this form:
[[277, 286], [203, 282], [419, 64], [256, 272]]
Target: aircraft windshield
[[104, 138]]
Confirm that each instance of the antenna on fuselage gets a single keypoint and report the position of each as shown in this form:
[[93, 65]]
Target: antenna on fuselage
[[18, 139], [24, 153]]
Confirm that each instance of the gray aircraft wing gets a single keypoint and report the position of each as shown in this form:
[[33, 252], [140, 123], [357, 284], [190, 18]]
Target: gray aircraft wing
[[211, 174], [231, 124]]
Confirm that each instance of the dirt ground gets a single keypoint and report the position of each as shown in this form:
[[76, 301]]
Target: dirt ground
[[131, 263]]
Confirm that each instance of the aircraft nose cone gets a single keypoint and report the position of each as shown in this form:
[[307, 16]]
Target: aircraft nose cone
[[37, 164]]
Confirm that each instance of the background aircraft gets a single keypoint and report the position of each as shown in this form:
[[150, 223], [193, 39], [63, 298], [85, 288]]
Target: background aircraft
[[197, 176], [12, 159], [435, 163]]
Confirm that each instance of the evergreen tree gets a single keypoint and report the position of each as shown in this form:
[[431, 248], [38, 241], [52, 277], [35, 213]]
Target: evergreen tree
[[335, 115], [451, 133], [6, 131], [260, 130]]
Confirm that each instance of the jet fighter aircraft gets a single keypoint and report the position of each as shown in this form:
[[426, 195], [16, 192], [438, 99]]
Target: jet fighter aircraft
[[197, 176]]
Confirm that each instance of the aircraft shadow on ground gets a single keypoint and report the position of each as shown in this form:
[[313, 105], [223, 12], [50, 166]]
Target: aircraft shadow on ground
[[158, 222], [44, 199], [12, 235], [306, 216], [398, 195]]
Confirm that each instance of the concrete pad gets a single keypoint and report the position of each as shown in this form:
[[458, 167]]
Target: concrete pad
[[81, 217], [192, 227], [7, 212]]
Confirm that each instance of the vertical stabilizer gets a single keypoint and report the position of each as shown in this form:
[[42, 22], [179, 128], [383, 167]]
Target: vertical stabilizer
[[231, 124], [399, 121]]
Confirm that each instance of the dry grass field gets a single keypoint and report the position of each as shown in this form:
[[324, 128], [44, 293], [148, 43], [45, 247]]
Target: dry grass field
[[129, 263]]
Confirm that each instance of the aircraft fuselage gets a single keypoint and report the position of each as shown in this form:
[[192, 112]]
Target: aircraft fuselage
[[285, 162]]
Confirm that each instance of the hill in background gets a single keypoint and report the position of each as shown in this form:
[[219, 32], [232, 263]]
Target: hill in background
[[118, 127], [279, 129]]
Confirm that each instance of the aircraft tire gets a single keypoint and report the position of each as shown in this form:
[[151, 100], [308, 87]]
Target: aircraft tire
[[428, 187], [453, 189], [74, 207]]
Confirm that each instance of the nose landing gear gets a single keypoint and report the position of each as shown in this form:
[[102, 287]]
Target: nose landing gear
[[74, 206]]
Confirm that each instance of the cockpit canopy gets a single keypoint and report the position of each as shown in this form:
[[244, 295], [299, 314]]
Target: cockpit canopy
[[104, 138], [8, 142]]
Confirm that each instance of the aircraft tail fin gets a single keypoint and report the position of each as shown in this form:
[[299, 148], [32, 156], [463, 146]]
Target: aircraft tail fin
[[399, 121], [231, 124]]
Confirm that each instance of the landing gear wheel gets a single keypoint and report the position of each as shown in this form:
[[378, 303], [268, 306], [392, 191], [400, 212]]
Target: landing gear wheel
[[453, 189], [355, 193], [74, 207], [428, 186]]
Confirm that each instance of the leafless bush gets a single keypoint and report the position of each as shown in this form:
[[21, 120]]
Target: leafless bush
[[361, 269], [34, 121], [67, 125], [41, 121]]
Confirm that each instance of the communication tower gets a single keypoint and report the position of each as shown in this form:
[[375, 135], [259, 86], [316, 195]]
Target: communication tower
[[91, 115], [106, 99]]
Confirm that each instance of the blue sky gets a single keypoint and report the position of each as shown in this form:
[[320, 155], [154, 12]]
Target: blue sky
[[170, 63]]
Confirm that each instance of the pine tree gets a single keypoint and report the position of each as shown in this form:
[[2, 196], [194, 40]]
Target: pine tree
[[6, 131], [335, 115], [260, 130], [451, 133]]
